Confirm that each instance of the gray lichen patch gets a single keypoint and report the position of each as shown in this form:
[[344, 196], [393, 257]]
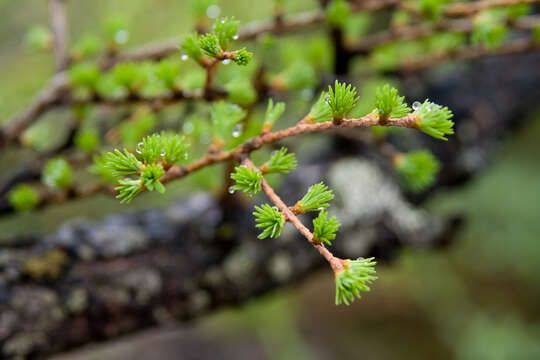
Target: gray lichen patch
[[199, 301], [367, 196], [145, 283], [115, 240], [281, 266], [23, 344], [238, 267], [77, 300]]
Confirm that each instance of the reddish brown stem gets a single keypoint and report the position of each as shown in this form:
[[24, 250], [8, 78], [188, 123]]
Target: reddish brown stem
[[335, 262]]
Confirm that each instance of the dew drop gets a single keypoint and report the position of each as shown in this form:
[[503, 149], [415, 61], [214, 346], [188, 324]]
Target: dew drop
[[185, 57], [237, 130], [226, 61], [186, 156], [213, 11], [162, 152], [235, 37], [223, 21], [121, 36], [138, 148], [416, 105], [231, 190]]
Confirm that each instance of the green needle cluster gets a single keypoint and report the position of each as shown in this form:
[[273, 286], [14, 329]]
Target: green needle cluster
[[388, 103], [316, 198], [247, 180], [270, 220], [418, 169], [356, 277]]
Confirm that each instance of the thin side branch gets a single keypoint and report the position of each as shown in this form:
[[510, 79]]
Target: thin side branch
[[412, 32], [470, 8], [57, 14], [470, 52], [335, 262], [43, 101], [215, 157]]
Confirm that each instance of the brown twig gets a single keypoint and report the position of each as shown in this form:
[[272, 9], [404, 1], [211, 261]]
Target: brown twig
[[219, 156], [468, 53], [57, 14], [335, 262], [412, 32], [470, 8], [43, 101], [255, 143]]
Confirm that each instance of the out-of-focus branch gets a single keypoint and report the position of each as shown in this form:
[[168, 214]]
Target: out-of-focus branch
[[288, 25], [58, 86], [411, 32], [57, 14], [47, 98], [470, 8], [522, 45]]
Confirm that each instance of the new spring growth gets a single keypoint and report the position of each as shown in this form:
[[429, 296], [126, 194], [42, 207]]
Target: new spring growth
[[242, 56], [273, 112], [341, 100], [324, 229], [215, 45], [23, 198], [280, 162], [240, 91], [57, 174], [167, 71], [122, 164], [389, 104], [489, 28], [270, 220], [155, 154], [116, 30], [191, 48], [247, 179], [433, 119], [354, 278], [316, 198], [86, 46], [418, 169], [150, 176], [128, 189], [320, 111], [226, 30], [209, 44], [224, 117], [39, 38], [84, 75], [337, 13], [431, 9]]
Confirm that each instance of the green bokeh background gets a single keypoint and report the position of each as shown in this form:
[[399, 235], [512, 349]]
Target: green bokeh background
[[476, 299]]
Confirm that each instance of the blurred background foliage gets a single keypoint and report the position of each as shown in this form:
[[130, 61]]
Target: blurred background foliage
[[476, 299]]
